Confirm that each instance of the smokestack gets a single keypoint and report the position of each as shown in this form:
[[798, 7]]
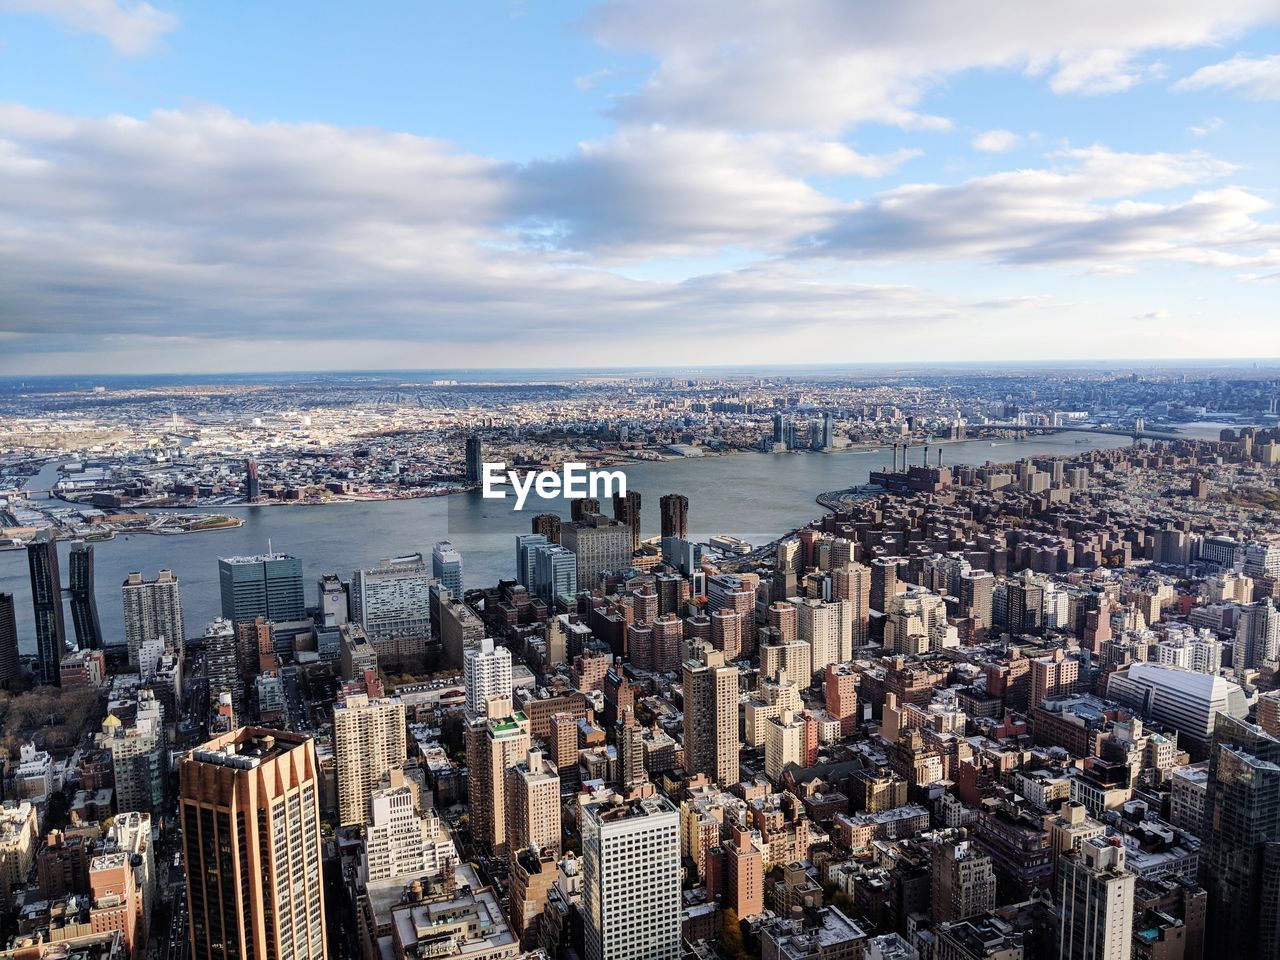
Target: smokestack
[[924, 460], [939, 458]]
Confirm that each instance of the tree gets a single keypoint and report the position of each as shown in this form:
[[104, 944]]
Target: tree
[[731, 945]]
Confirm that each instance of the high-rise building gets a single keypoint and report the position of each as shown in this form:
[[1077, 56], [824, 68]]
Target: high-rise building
[[626, 510], [631, 879], [977, 588], [397, 841], [335, 602], [533, 804], [1257, 636], [495, 743], [250, 817], [84, 599], [963, 881], [475, 459], [222, 661], [486, 674], [884, 582], [460, 628], [744, 874], [600, 545], [446, 566], [784, 743], [827, 627], [46, 599], [726, 631], [10, 666], [369, 737], [582, 507], [916, 623], [711, 742], [1240, 854], [1095, 894], [547, 524], [269, 585], [1053, 677], [152, 611], [393, 598], [563, 745], [675, 515], [851, 582], [526, 544], [252, 484], [555, 573], [134, 734], [1024, 596]]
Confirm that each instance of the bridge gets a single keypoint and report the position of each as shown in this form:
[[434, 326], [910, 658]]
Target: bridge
[[1136, 434]]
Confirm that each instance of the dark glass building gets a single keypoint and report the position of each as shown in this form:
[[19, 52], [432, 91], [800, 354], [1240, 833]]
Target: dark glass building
[[46, 600], [84, 601], [1240, 856]]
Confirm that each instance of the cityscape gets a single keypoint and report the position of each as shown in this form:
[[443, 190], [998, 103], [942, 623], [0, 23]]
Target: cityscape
[[638, 480]]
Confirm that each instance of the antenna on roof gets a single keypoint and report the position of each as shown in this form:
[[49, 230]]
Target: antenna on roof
[[269, 553]]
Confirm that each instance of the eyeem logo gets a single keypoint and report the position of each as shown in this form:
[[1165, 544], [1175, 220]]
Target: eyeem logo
[[574, 482]]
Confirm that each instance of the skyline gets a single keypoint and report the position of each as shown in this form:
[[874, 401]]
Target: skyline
[[486, 186]]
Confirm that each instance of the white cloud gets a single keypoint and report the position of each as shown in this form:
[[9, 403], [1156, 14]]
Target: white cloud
[[653, 191], [1205, 127], [199, 225], [132, 27], [1082, 210], [187, 233], [996, 141], [1252, 78], [828, 64]]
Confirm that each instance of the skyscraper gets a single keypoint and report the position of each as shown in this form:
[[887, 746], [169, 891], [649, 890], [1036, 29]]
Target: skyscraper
[[446, 566], [368, 741], [963, 881], [46, 599], [269, 585], [495, 743], [1257, 636], [393, 598], [1240, 855], [486, 673], [547, 524], [9, 664], [675, 515], [600, 545], [222, 661], [250, 817], [784, 743], [526, 545], [976, 590], [252, 485], [475, 459], [335, 602], [555, 573], [631, 879], [84, 600], [582, 507], [533, 804], [1095, 893], [152, 611], [711, 716], [626, 510]]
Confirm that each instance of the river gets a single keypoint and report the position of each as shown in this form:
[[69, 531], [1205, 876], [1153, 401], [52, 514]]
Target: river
[[756, 497]]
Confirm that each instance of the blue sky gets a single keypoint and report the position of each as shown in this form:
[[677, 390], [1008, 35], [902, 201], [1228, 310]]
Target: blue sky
[[190, 186]]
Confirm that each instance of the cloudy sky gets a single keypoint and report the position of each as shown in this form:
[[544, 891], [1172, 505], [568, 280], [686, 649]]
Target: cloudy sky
[[192, 186]]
